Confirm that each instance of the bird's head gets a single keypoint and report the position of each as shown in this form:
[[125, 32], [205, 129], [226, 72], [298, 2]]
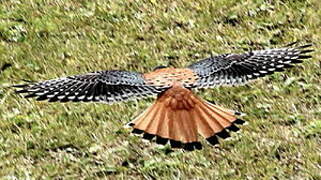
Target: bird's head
[[159, 67]]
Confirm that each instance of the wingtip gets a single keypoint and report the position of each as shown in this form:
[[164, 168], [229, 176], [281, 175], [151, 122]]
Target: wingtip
[[305, 46], [303, 57], [21, 91], [291, 44], [30, 95], [299, 46], [19, 85], [306, 51], [20, 88]]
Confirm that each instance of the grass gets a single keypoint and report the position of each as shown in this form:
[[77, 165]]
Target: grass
[[47, 39]]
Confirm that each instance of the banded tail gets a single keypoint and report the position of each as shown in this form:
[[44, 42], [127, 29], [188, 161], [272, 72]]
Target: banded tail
[[178, 116]]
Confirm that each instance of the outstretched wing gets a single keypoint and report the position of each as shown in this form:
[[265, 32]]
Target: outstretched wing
[[239, 68], [102, 86]]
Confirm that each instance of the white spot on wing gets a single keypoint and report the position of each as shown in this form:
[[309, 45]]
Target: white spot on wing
[[71, 97], [61, 97], [81, 97]]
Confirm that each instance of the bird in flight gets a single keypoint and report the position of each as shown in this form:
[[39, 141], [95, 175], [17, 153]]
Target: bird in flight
[[177, 116]]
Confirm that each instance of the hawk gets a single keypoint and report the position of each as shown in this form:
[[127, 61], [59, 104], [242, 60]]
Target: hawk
[[178, 116]]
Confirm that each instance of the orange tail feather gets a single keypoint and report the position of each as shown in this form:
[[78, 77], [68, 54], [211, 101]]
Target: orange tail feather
[[179, 116]]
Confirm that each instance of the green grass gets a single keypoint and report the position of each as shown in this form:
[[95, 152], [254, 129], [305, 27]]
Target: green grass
[[47, 39]]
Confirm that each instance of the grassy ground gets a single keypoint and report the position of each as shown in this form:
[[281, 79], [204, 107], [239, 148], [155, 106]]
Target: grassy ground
[[48, 39]]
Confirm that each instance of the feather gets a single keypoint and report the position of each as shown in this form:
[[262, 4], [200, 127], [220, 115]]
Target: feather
[[178, 116], [103, 86], [225, 69]]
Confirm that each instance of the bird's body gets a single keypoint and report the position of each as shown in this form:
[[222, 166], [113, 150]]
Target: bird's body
[[167, 77], [178, 116]]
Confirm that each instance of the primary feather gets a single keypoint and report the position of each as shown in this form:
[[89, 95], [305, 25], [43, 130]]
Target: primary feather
[[102, 86], [239, 68]]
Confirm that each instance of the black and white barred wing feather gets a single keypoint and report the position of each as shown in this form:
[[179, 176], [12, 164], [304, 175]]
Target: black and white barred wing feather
[[231, 69], [102, 86]]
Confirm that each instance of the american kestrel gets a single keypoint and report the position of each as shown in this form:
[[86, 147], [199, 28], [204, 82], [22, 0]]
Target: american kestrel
[[178, 116]]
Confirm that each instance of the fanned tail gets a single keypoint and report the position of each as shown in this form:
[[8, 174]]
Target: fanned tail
[[214, 121], [178, 116]]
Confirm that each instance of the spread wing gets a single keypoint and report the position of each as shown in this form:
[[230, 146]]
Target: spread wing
[[239, 68], [102, 86]]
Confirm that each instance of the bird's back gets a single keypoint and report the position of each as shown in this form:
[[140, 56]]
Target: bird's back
[[170, 76]]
